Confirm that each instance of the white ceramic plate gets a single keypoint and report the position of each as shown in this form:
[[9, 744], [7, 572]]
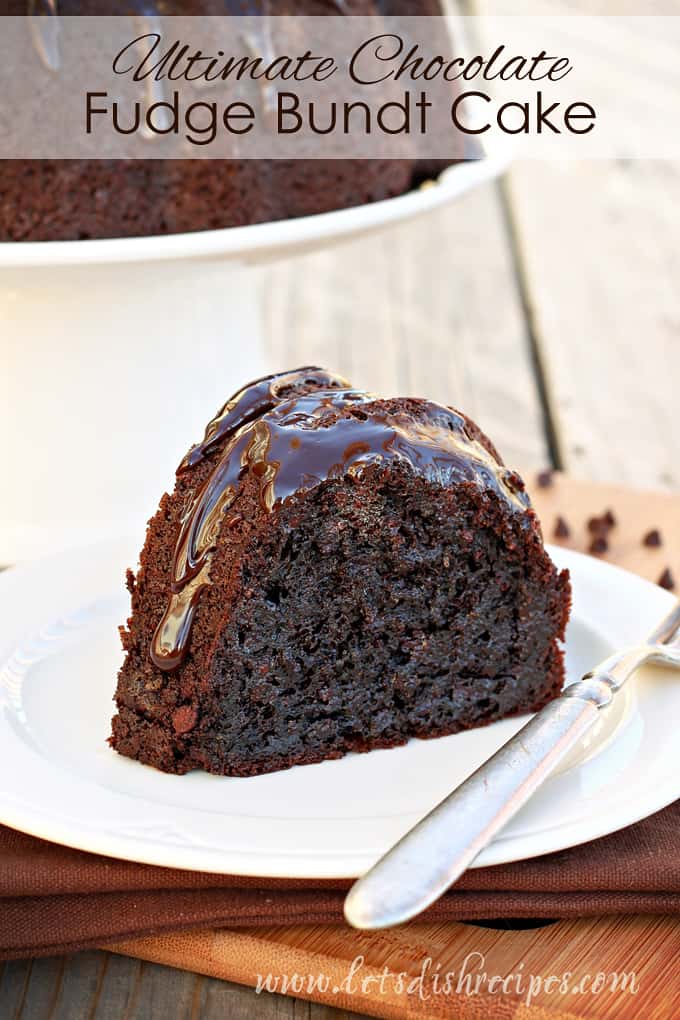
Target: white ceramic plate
[[59, 652]]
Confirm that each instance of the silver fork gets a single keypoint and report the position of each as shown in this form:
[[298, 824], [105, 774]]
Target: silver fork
[[437, 850]]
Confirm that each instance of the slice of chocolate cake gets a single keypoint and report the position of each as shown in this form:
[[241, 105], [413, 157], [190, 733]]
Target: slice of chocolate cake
[[334, 572]]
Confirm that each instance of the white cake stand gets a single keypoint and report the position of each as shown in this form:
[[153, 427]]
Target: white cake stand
[[116, 352]]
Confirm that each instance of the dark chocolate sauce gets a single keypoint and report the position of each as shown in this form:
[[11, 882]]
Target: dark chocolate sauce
[[291, 432], [254, 400]]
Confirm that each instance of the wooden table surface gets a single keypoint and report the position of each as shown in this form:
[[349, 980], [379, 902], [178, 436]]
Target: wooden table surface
[[548, 308]]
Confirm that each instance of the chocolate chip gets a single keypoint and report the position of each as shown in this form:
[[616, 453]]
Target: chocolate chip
[[601, 525], [667, 580], [184, 719], [562, 529], [652, 539], [598, 545], [544, 479]]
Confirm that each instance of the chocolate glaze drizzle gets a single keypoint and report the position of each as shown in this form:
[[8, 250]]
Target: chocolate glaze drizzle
[[43, 23], [291, 432]]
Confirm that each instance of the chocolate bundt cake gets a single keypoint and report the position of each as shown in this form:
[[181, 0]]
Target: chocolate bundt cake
[[79, 199], [334, 572]]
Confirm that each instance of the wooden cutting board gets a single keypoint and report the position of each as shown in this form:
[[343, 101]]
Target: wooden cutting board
[[647, 946]]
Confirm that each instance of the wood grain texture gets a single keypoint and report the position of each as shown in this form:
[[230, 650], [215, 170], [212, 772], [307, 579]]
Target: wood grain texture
[[106, 986], [595, 244], [430, 308], [559, 964], [598, 249]]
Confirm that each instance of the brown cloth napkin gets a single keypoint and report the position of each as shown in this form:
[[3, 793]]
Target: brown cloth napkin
[[54, 899]]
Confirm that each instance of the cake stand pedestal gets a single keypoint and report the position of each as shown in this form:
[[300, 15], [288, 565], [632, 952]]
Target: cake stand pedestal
[[109, 373], [115, 353]]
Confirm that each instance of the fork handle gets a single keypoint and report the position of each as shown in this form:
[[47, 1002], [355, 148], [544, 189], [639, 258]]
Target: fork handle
[[432, 855]]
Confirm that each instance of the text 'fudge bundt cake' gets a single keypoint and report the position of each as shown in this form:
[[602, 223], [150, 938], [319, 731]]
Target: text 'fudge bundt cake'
[[334, 572]]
